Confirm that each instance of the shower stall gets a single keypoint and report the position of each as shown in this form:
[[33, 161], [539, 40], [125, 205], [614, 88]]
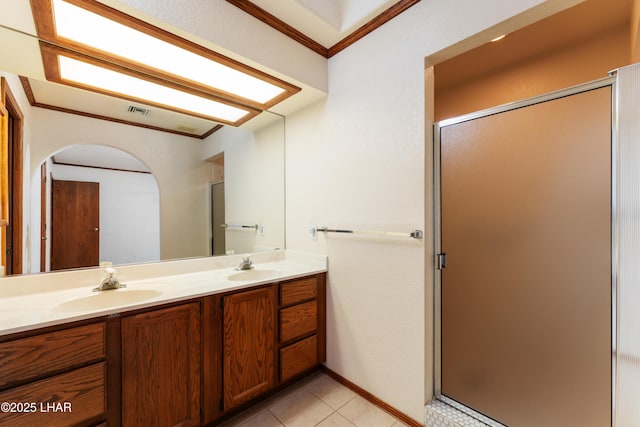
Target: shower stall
[[537, 208]]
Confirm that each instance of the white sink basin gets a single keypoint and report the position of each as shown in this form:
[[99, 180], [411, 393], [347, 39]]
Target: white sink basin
[[254, 274], [108, 299]]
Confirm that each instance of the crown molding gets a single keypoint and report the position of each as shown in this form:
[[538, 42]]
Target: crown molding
[[289, 31]]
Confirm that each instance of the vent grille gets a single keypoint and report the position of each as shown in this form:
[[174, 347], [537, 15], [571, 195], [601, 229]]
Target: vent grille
[[184, 128], [138, 110]]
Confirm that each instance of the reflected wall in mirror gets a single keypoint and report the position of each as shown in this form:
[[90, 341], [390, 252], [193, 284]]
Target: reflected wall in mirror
[[248, 169], [102, 204], [253, 175], [177, 156]]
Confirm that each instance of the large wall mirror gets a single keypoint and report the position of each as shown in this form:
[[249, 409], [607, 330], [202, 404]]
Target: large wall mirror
[[162, 195]]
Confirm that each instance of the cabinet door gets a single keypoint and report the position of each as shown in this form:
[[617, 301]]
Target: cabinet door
[[161, 367], [249, 345]]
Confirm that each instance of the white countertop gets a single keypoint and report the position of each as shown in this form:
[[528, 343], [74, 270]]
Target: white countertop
[[42, 300]]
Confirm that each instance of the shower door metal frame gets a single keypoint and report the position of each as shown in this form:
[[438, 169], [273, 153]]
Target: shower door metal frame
[[610, 81]]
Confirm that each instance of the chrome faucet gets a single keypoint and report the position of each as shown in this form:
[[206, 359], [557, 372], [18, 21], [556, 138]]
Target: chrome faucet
[[110, 281], [246, 263]]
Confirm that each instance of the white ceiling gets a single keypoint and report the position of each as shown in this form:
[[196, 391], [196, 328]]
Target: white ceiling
[[325, 21]]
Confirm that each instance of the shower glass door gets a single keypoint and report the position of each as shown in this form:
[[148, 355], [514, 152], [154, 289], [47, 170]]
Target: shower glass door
[[526, 293]]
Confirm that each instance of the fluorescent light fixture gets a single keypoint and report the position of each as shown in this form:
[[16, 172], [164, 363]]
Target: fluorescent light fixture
[[498, 38], [152, 57], [85, 74], [95, 31]]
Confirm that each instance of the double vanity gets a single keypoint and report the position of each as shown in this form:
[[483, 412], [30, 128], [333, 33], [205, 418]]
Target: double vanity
[[189, 345]]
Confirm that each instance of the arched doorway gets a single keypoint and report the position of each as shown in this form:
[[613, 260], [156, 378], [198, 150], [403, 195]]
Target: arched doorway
[[101, 199]]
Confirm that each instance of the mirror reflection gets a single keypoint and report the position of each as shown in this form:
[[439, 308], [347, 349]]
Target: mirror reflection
[[245, 165], [102, 204]]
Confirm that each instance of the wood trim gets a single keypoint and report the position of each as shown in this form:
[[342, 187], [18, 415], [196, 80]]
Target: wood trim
[[28, 90], [286, 29], [211, 358], [211, 131], [125, 122], [322, 317], [371, 398], [4, 187], [43, 17], [78, 165], [34, 103], [16, 170], [113, 344], [372, 25], [276, 23], [43, 217]]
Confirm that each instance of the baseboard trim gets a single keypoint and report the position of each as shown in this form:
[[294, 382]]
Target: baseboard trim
[[371, 398]]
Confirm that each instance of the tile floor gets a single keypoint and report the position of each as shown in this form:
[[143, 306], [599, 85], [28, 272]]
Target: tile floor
[[315, 401]]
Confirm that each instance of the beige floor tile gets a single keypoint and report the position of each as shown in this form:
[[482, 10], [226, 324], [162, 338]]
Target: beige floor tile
[[301, 409], [330, 391], [336, 420], [365, 414], [281, 395], [263, 419], [244, 416], [399, 424]]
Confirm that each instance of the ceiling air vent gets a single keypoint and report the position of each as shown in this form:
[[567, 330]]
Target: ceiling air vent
[[188, 129], [138, 110]]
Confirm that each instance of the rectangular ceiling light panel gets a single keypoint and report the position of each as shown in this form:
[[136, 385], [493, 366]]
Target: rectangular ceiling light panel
[[100, 31], [81, 71], [86, 74]]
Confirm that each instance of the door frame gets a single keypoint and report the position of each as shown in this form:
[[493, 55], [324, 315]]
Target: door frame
[[437, 234], [14, 155]]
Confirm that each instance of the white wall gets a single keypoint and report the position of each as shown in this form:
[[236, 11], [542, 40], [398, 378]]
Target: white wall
[[362, 159], [129, 212], [175, 161], [253, 184]]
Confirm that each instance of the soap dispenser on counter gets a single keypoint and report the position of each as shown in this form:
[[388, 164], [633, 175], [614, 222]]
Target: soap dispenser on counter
[[110, 280]]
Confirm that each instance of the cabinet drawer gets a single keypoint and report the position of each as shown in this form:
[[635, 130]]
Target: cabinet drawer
[[298, 320], [40, 355], [299, 290], [297, 358], [63, 400]]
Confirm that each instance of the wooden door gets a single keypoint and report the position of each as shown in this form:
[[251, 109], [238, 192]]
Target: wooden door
[[161, 367], [526, 291], [75, 224], [249, 345]]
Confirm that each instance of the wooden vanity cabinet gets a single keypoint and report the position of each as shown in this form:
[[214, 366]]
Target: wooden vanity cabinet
[[301, 326], [55, 378], [183, 364], [248, 345], [161, 353], [258, 339]]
